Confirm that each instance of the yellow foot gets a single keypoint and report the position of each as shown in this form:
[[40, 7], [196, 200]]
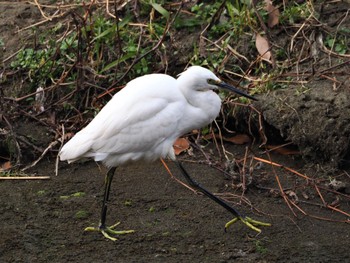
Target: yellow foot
[[248, 222], [107, 231]]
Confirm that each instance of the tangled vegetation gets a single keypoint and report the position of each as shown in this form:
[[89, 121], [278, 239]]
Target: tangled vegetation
[[80, 54]]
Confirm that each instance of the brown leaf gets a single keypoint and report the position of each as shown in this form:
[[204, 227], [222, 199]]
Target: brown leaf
[[5, 166], [210, 136], [262, 45], [68, 135], [282, 150], [238, 139], [181, 145], [274, 14], [305, 195], [292, 195]]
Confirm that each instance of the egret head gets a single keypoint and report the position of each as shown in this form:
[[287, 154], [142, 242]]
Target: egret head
[[202, 79]]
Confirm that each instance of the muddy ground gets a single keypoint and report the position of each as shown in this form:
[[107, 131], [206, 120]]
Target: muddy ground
[[44, 220]]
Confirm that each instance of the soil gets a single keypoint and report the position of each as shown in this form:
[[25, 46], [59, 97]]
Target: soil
[[44, 220], [296, 119]]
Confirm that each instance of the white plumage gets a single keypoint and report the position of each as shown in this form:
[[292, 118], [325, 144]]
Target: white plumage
[[141, 123], [143, 120]]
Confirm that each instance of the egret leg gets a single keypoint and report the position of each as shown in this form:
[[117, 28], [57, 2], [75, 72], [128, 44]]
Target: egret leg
[[237, 215], [106, 231]]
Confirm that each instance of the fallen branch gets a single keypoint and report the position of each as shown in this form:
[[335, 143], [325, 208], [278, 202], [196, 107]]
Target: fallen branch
[[310, 181], [25, 177], [51, 145]]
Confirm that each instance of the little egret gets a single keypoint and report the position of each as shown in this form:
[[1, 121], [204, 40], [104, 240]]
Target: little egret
[[141, 123]]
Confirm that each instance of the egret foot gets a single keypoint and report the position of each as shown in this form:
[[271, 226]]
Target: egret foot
[[251, 223], [107, 231]]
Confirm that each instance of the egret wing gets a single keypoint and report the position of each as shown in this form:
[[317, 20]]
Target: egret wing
[[140, 122]]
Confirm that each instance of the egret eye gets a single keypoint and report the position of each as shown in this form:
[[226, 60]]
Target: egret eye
[[212, 81]]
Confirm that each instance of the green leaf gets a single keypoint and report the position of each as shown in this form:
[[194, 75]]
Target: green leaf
[[110, 65], [104, 33], [116, 62], [161, 10]]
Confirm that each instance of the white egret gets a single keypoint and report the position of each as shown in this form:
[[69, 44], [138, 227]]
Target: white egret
[[141, 123]]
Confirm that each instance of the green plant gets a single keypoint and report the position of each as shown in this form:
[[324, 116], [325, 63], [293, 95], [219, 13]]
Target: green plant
[[128, 202], [32, 60], [77, 194], [295, 13], [260, 247], [338, 44], [228, 24], [41, 192], [205, 11], [81, 214]]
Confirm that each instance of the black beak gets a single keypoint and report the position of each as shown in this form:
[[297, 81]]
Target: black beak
[[235, 90]]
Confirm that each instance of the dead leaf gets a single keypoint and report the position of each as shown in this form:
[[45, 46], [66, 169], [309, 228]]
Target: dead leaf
[[181, 145], [282, 150], [305, 195], [292, 195], [68, 135], [274, 14], [52, 118], [335, 202], [262, 45], [210, 136], [238, 139], [39, 100], [337, 185], [5, 166]]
